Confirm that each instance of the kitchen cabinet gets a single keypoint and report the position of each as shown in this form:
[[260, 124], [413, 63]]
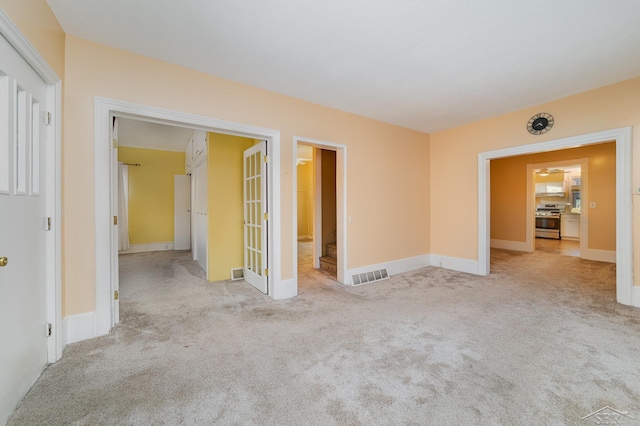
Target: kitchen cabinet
[[570, 226], [549, 187]]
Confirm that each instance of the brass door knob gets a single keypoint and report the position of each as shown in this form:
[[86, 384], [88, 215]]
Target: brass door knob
[[3, 261]]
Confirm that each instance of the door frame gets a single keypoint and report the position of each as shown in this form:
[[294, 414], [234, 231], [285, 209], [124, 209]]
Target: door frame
[[341, 205], [626, 293], [52, 179], [531, 207], [104, 109]]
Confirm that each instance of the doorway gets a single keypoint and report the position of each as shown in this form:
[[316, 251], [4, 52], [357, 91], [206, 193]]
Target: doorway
[[625, 292], [320, 207], [106, 245], [554, 186]]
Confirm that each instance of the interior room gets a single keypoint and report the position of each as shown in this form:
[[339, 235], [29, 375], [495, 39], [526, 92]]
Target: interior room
[[467, 175]]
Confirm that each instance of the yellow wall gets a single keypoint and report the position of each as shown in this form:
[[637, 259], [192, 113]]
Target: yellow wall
[[509, 196], [383, 160], [151, 193], [305, 199], [454, 158], [226, 232]]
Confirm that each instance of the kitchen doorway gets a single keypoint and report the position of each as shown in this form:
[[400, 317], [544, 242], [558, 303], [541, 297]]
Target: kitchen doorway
[[620, 200], [553, 211]]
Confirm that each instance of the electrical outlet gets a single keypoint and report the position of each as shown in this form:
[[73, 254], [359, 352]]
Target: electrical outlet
[[592, 204]]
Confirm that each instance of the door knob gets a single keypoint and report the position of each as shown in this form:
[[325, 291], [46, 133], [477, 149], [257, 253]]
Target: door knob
[[3, 261]]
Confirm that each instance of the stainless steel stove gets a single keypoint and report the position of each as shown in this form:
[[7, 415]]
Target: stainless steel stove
[[548, 220]]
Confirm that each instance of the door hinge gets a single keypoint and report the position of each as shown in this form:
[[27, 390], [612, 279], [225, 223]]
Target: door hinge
[[49, 329], [266, 158], [266, 216], [115, 220], [116, 295], [266, 272], [47, 118], [49, 221]]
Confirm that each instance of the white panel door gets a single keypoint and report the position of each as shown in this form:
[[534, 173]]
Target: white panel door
[[255, 216], [181, 212], [23, 300], [201, 223]]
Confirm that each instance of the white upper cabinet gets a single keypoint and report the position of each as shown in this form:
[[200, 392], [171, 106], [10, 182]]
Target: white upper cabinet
[[549, 187], [200, 138], [188, 157], [196, 150]]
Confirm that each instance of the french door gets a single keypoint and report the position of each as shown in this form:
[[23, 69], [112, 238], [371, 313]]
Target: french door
[[256, 270]]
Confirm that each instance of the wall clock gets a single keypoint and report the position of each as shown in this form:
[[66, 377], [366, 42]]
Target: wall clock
[[540, 123]]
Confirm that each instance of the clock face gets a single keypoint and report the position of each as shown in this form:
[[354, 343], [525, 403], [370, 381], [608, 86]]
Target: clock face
[[540, 123]]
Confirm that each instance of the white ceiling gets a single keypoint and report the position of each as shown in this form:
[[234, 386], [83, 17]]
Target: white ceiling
[[425, 65], [143, 134]]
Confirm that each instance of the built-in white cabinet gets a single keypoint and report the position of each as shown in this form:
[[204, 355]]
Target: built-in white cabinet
[[188, 157], [570, 226], [196, 150], [200, 138], [549, 187]]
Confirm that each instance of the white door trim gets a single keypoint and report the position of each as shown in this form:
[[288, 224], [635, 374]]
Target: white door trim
[[103, 109], [624, 242], [53, 204], [341, 204]]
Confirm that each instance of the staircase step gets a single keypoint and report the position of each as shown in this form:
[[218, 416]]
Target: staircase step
[[332, 250], [329, 264]]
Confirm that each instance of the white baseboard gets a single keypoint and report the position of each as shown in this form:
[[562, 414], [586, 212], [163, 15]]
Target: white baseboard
[[78, 327], [286, 290], [393, 267], [635, 296], [455, 264], [599, 255], [142, 248], [510, 245]]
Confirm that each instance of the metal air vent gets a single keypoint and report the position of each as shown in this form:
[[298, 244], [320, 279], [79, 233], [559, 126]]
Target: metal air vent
[[237, 274], [369, 277]]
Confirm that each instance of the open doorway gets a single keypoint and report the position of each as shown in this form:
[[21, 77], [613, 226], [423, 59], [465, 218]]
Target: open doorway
[[186, 189], [557, 205], [107, 305], [320, 205], [316, 210], [619, 200]]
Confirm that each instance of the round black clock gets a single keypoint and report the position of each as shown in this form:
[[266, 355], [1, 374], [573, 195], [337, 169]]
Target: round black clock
[[540, 123]]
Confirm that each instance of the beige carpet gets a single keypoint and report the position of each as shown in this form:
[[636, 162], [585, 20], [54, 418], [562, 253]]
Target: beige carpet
[[539, 341]]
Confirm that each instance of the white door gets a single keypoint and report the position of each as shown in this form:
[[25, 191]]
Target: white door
[[255, 216], [181, 212], [23, 228], [201, 218]]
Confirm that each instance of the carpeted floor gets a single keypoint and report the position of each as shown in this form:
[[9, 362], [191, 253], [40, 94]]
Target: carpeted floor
[[539, 341]]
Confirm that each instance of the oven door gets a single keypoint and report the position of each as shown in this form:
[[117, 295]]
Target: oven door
[[548, 227]]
